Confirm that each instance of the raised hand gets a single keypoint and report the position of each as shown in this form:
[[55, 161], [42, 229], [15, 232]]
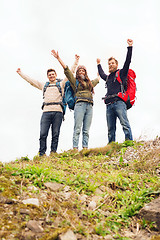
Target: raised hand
[[77, 57], [18, 70], [98, 61], [130, 42], [55, 54]]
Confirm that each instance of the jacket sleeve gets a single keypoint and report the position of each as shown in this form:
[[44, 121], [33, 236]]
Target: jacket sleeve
[[124, 70], [33, 82], [70, 77], [95, 82], [73, 69], [101, 72]]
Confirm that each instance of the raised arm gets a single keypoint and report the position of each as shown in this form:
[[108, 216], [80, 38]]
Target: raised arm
[[96, 80], [75, 64], [33, 82], [124, 70], [130, 42], [56, 55], [100, 70]]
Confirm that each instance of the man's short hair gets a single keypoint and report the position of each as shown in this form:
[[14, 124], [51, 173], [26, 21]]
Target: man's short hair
[[51, 70], [112, 58]]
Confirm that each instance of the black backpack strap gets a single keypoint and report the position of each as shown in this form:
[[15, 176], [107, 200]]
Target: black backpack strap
[[52, 103], [106, 81]]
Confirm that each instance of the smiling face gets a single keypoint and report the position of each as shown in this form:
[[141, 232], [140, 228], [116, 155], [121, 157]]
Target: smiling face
[[113, 65], [51, 76], [81, 71]]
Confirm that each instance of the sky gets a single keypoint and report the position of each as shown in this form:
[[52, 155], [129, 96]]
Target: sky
[[93, 29]]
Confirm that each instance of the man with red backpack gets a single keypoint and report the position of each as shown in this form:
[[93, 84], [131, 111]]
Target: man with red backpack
[[115, 100]]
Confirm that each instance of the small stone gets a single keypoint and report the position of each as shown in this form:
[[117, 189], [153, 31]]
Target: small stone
[[69, 235], [151, 211], [92, 205], [97, 199], [104, 213], [34, 226], [98, 191], [6, 200], [24, 211], [53, 186], [67, 195], [32, 188], [57, 221], [28, 236], [108, 237], [82, 198], [33, 201], [67, 188]]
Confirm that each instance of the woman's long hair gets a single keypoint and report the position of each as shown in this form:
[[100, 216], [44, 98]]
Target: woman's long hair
[[86, 79]]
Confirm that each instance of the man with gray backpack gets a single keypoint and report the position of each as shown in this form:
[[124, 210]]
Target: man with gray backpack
[[53, 110]]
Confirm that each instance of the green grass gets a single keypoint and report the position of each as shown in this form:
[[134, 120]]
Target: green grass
[[125, 187]]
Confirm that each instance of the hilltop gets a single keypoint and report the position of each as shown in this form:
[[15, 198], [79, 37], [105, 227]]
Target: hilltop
[[92, 194]]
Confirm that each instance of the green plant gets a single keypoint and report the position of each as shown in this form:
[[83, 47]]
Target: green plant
[[123, 189], [101, 230]]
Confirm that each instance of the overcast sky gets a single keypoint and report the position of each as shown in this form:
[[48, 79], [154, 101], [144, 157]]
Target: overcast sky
[[30, 29]]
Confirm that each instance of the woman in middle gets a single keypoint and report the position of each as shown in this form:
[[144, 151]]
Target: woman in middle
[[83, 110]]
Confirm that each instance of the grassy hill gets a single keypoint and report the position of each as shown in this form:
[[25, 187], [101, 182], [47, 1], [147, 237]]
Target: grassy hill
[[98, 193]]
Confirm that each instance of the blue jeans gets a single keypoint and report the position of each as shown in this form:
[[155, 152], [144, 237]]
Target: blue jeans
[[114, 110], [83, 112], [53, 119]]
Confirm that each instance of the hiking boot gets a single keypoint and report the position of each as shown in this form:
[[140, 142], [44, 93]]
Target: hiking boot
[[42, 155], [53, 154], [85, 148], [39, 157]]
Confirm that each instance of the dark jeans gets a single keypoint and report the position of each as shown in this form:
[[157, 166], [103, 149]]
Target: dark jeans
[[114, 110], [53, 119]]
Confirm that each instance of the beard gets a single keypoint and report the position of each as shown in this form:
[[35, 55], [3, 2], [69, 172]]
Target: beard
[[112, 69]]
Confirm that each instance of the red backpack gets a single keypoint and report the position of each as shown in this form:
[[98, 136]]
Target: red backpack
[[129, 95]]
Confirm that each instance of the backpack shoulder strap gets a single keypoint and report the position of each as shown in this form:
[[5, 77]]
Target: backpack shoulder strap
[[117, 76], [45, 87], [77, 83], [59, 86]]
